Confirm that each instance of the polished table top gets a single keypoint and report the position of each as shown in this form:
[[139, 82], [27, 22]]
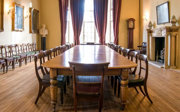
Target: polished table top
[[90, 54]]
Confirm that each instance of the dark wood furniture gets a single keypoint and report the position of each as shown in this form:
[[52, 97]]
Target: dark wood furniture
[[130, 26], [4, 55], [3, 64], [44, 81], [133, 56], [88, 80], [20, 55], [139, 79], [90, 54], [142, 48], [125, 52]]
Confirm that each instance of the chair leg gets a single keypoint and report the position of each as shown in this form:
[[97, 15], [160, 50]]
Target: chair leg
[[75, 104], [13, 65], [112, 80], [145, 89], [142, 90], [6, 66], [115, 85], [61, 95], [100, 103], [64, 87], [20, 62], [136, 89], [30, 58], [25, 60], [39, 93], [119, 88], [68, 82], [3, 67]]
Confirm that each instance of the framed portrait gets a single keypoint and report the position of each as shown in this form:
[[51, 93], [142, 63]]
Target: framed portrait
[[33, 20], [162, 11], [18, 17], [1, 15]]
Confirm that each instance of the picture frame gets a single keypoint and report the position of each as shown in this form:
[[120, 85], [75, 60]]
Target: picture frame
[[18, 17], [163, 15], [33, 20], [1, 15]]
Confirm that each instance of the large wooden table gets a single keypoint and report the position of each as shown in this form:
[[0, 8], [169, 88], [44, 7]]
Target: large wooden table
[[89, 54]]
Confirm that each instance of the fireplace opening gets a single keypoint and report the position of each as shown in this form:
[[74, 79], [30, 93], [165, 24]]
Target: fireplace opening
[[159, 49]]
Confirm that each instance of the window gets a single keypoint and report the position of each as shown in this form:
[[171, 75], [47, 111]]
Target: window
[[88, 31]]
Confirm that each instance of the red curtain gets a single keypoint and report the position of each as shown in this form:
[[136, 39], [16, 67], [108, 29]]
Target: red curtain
[[116, 19], [100, 16], [77, 13], [63, 8]]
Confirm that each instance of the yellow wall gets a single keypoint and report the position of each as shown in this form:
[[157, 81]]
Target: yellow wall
[[149, 6], [10, 37], [50, 16], [130, 9]]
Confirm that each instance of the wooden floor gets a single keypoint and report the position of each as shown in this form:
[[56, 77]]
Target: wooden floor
[[18, 90]]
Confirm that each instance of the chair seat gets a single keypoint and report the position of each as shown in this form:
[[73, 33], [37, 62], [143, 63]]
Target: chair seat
[[60, 78], [16, 57], [134, 80], [9, 58], [2, 61], [88, 79], [88, 84]]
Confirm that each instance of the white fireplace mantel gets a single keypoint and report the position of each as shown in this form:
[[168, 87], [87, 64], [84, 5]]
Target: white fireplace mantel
[[170, 33]]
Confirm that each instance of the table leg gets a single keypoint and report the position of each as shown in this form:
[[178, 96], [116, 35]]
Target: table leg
[[53, 88], [124, 87]]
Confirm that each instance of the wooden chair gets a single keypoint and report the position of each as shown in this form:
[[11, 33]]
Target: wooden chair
[[139, 79], [19, 49], [125, 52], [44, 80], [131, 56], [142, 48], [88, 79], [4, 55], [54, 52], [29, 54], [3, 64]]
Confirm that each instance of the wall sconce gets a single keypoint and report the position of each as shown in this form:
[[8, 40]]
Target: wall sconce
[[28, 13], [9, 9], [146, 17]]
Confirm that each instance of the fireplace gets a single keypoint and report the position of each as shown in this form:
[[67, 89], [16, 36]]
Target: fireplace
[[162, 46], [159, 49]]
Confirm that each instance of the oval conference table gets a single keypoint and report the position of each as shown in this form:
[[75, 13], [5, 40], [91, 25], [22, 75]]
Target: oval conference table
[[90, 54]]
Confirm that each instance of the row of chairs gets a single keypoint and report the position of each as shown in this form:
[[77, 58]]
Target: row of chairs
[[135, 80], [44, 79], [17, 53]]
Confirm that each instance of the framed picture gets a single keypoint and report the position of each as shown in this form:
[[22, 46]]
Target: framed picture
[[162, 12], [34, 20], [1, 15], [17, 17]]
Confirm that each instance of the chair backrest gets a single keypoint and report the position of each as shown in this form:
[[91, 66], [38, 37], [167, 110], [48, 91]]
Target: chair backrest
[[38, 61], [3, 51], [17, 49], [131, 56], [125, 52], [10, 50], [34, 46], [54, 52], [143, 58], [80, 69], [47, 56]]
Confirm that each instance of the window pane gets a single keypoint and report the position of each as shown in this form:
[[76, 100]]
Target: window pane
[[88, 31]]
